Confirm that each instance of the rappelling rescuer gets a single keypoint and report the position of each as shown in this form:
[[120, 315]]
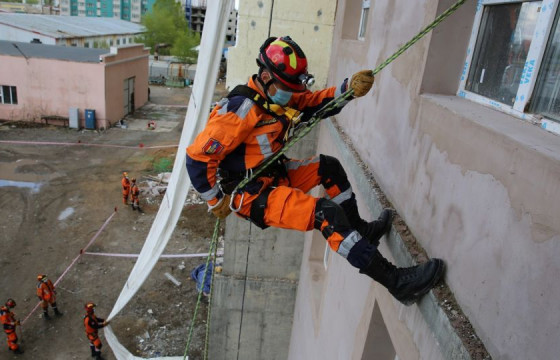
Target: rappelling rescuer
[[252, 124]]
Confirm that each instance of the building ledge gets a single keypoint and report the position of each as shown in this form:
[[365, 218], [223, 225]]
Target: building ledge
[[447, 322]]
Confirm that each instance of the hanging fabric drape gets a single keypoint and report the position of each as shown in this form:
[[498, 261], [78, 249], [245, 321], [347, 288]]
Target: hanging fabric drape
[[210, 53]]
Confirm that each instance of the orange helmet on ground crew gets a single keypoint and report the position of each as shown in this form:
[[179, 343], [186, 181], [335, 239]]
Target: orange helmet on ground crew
[[89, 307]]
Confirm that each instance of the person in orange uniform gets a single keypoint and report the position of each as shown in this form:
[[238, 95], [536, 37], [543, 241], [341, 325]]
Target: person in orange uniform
[[251, 125], [134, 193], [92, 324], [125, 187], [47, 295], [9, 322]]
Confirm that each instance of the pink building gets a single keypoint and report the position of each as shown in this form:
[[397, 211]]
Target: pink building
[[40, 81]]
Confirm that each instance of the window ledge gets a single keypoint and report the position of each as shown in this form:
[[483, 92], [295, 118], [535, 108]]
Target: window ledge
[[518, 130]]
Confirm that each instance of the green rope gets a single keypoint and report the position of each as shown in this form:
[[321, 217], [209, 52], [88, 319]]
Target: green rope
[[206, 340], [212, 244], [333, 104]]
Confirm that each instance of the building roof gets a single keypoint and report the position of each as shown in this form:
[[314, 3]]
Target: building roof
[[59, 26], [70, 53]]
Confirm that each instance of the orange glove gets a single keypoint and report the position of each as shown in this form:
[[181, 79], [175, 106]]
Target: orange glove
[[361, 82], [221, 209]]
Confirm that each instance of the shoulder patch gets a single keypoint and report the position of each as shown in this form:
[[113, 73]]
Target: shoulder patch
[[212, 146]]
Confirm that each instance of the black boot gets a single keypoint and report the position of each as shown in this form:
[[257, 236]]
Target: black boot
[[18, 351], [372, 231], [46, 315], [409, 284], [98, 355], [56, 312], [93, 352]]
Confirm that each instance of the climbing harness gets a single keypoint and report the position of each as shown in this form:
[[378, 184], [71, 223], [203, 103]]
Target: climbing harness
[[304, 129]]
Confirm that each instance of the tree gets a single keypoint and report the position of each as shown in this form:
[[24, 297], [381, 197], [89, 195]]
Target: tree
[[183, 47], [166, 24]]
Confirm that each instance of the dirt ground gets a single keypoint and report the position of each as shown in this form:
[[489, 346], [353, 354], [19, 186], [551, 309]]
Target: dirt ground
[[54, 198]]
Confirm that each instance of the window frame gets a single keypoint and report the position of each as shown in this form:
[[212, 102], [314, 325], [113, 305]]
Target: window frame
[[531, 68], [366, 4], [13, 90]]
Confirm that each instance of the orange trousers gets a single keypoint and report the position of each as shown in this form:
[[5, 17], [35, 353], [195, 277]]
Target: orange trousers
[[94, 340], [289, 206], [12, 340]]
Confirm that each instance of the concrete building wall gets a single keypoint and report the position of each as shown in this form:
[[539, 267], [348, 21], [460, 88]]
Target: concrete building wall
[[129, 62], [255, 294], [311, 26], [477, 187]]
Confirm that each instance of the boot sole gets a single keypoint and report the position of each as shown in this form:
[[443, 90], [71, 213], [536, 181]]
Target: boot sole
[[436, 278]]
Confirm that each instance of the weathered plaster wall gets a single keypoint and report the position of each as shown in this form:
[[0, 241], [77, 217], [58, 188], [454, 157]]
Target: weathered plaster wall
[[476, 187], [334, 305], [129, 61], [51, 87]]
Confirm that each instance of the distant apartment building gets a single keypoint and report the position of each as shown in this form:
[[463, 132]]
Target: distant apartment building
[[129, 10], [68, 30], [195, 12], [10, 7]]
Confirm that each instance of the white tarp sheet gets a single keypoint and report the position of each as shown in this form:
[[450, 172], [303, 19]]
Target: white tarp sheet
[[215, 25]]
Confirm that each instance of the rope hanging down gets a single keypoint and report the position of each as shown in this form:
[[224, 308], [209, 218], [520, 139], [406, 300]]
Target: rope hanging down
[[213, 243], [315, 119]]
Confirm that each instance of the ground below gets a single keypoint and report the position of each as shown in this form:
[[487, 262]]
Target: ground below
[[53, 200]]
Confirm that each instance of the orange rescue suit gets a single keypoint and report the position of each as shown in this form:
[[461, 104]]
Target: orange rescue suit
[[134, 193], [125, 189], [92, 324], [9, 323], [239, 136], [46, 293]]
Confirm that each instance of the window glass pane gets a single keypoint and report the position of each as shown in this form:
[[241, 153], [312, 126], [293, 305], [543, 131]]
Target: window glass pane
[[14, 95], [7, 95], [546, 98], [363, 23], [501, 49]]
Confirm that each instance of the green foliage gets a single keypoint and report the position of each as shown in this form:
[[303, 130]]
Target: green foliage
[[166, 24], [183, 45]]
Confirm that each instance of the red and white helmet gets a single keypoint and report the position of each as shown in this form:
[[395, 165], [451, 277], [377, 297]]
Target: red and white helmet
[[287, 63]]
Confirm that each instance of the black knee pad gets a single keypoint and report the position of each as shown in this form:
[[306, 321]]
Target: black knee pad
[[332, 173], [334, 215]]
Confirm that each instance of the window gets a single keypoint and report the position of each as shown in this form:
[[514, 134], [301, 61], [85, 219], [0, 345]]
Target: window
[[363, 19], [513, 59], [8, 95], [546, 99]]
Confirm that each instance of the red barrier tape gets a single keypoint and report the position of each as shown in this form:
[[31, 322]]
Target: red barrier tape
[[79, 143], [82, 251]]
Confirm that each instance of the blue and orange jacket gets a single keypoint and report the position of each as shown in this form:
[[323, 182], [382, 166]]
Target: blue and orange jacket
[[8, 320], [240, 135]]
